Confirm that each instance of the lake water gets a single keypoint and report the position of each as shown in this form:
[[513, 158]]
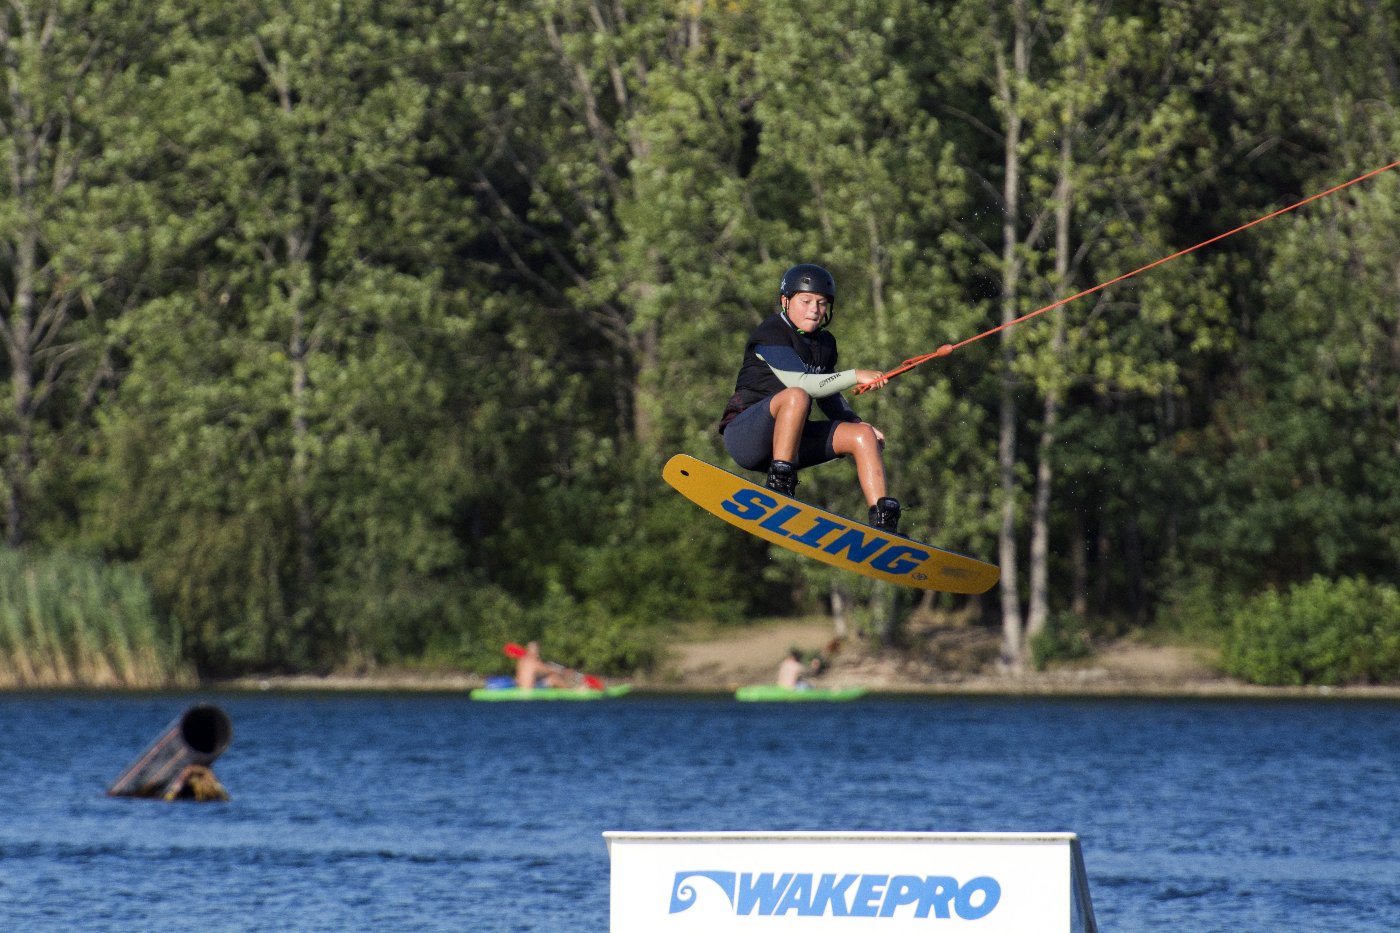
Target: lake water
[[430, 812]]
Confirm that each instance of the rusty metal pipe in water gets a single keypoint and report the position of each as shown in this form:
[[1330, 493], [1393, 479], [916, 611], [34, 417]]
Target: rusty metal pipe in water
[[187, 747]]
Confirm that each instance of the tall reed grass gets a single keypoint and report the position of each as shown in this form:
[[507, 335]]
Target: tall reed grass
[[70, 621]]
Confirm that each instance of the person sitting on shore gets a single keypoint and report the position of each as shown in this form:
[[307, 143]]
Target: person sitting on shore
[[791, 671]]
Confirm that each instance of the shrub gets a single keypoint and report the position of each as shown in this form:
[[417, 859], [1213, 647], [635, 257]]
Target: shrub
[[1064, 639], [1326, 632]]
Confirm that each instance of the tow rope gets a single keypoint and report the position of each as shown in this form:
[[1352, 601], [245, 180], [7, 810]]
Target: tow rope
[[948, 348]]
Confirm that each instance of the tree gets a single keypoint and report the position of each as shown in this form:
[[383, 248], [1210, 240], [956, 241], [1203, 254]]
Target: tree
[[1094, 128], [69, 69], [281, 460], [1295, 466]]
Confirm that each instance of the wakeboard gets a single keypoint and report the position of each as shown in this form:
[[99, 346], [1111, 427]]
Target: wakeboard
[[825, 536]]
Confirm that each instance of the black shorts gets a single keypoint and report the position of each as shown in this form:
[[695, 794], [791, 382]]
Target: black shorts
[[749, 439]]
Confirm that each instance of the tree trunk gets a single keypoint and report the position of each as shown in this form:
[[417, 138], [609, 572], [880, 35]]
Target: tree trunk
[[1038, 608], [299, 351], [19, 339], [647, 361], [1079, 569], [18, 333], [1012, 641], [840, 609], [1395, 357], [1038, 615], [646, 356], [301, 459]]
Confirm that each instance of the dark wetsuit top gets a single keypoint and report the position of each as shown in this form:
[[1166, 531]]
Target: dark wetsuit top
[[777, 356]]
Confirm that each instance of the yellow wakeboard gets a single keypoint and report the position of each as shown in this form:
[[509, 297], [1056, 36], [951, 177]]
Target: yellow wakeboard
[[823, 535]]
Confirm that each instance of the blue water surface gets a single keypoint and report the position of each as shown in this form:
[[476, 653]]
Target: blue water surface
[[431, 812]]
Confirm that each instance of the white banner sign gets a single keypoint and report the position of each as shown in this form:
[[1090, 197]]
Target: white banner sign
[[848, 882]]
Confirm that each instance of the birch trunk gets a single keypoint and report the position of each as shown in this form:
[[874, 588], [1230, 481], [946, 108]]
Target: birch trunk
[[1038, 612], [1008, 79]]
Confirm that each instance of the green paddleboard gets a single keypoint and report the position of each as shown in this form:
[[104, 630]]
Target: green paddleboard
[[771, 693]]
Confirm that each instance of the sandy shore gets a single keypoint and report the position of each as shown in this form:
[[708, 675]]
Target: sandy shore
[[952, 661]]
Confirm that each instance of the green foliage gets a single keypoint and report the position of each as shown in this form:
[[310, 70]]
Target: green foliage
[[1063, 639], [361, 332], [1327, 632], [1198, 607], [592, 588], [69, 621], [71, 70]]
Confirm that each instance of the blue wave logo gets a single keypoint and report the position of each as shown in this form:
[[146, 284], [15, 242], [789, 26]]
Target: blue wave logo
[[683, 893], [805, 894]]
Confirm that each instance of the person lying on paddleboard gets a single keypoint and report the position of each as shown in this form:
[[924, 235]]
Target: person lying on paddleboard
[[789, 361]]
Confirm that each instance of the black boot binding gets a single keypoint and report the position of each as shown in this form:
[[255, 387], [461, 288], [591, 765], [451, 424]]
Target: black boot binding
[[884, 515], [782, 477]]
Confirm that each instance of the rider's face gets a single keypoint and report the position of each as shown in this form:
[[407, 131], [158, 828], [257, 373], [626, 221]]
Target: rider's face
[[806, 310]]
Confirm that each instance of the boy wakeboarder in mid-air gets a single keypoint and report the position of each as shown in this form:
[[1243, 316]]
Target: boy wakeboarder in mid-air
[[789, 362]]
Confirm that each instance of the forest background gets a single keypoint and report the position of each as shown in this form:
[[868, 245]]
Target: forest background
[[343, 334]]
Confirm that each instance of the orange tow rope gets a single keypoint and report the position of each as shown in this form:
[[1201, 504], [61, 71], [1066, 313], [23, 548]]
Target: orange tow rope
[[948, 348]]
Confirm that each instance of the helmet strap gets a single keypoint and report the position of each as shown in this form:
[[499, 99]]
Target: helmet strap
[[826, 318]]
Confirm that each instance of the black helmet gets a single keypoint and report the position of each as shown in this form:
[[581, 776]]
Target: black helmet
[[807, 277]]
